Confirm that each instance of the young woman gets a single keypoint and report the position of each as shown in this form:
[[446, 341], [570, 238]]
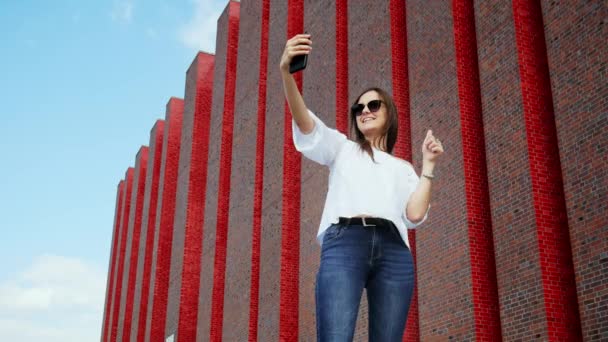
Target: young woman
[[372, 198]]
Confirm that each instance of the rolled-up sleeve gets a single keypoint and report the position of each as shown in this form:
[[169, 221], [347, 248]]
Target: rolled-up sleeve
[[411, 183], [321, 145]]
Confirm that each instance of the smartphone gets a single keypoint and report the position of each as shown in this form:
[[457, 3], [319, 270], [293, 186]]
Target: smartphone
[[298, 63]]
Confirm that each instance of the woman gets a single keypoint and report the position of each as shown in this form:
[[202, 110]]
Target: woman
[[372, 198]]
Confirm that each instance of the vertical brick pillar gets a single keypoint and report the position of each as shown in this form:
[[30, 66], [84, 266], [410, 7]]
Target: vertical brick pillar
[[403, 146], [223, 198], [442, 243], [194, 156], [270, 242], [559, 288], [290, 228], [479, 221], [342, 104], [121, 254], [165, 216], [141, 165], [576, 50], [254, 291], [237, 303], [111, 267], [144, 269]]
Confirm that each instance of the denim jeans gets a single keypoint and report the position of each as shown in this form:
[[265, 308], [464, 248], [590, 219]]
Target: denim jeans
[[358, 257]]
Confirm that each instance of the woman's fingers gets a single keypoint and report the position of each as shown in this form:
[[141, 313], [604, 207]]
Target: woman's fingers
[[299, 41]]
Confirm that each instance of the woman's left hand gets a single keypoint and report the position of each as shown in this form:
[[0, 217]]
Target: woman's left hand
[[432, 148]]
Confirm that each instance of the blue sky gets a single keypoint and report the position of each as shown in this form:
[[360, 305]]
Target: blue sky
[[81, 84]]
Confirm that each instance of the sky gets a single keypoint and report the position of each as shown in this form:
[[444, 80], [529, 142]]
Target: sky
[[81, 85]]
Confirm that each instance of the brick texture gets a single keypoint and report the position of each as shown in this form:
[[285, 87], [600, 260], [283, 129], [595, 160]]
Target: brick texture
[[144, 264], [481, 245], [290, 225], [211, 202], [318, 77], [270, 250], [561, 307], [254, 293], [515, 245], [116, 301], [223, 198], [403, 146], [111, 268], [141, 164], [239, 236], [445, 303], [575, 36], [196, 136], [516, 248], [165, 215]]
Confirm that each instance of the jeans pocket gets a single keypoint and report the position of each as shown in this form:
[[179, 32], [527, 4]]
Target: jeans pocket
[[333, 232]]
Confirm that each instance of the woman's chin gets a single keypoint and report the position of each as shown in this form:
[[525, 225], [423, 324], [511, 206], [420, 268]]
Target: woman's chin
[[369, 130]]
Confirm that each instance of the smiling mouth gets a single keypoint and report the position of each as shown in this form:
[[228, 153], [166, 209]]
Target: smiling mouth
[[369, 118]]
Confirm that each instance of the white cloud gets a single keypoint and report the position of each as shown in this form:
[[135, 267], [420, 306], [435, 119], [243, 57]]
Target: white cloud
[[199, 33], [55, 299], [122, 11]]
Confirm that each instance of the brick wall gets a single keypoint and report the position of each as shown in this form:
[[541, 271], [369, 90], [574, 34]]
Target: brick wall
[[515, 246]]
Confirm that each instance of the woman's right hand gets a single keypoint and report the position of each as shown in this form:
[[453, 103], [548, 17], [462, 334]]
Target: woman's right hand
[[299, 44]]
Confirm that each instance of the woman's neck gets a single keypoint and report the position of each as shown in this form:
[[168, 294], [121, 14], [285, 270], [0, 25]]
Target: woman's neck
[[377, 142]]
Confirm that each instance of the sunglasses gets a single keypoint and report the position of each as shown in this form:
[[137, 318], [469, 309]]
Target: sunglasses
[[373, 106]]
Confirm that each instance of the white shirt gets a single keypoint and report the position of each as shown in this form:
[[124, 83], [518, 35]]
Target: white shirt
[[357, 185]]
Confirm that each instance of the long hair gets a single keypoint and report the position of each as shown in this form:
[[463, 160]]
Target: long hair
[[389, 131]]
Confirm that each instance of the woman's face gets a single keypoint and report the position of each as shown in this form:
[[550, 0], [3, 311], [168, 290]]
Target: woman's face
[[371, 124]]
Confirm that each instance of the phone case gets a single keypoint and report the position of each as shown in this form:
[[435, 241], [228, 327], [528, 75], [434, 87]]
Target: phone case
[[298, 63]]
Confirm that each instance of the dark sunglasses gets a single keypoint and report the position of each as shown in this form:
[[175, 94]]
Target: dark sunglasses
[[373, 105]]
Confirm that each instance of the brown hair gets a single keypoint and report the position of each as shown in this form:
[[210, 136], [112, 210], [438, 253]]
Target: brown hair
[[389, 131]]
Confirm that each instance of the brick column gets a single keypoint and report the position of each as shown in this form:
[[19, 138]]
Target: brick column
[[403, 145], [559, 287], [192, 183], [165, 214], [342, 103], [111, 267], [290, 228], [143, 316], [223, 198], [479, 221], [254, 291], [121, 254], [141, 163]]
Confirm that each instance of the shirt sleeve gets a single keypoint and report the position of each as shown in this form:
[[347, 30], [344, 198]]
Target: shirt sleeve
[[321, 145], [411, 181]]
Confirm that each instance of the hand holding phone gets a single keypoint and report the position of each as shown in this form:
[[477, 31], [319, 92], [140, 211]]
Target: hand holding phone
[[300, 61]]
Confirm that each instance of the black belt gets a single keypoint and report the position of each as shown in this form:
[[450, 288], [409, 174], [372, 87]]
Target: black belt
[[365, 221]]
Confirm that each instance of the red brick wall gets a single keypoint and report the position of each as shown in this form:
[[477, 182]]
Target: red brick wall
[[111, 265], [489, 77], [575, 36], [165, 215], [141, 301]]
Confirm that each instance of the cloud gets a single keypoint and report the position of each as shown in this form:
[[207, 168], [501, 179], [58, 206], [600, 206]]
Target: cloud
[[55, 298], [122, 11], [199, 33]]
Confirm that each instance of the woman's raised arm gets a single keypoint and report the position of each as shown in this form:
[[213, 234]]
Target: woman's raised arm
[[298, 45]]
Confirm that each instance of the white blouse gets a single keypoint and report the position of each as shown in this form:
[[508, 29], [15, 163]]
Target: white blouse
[[357, 185]]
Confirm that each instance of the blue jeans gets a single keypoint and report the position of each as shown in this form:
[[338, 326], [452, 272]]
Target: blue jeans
[[356, 257]]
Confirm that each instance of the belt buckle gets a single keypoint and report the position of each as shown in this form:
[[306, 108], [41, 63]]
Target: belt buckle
[[365, 223]]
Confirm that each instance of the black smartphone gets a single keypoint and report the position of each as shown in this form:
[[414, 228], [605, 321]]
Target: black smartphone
[[298, 62]]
